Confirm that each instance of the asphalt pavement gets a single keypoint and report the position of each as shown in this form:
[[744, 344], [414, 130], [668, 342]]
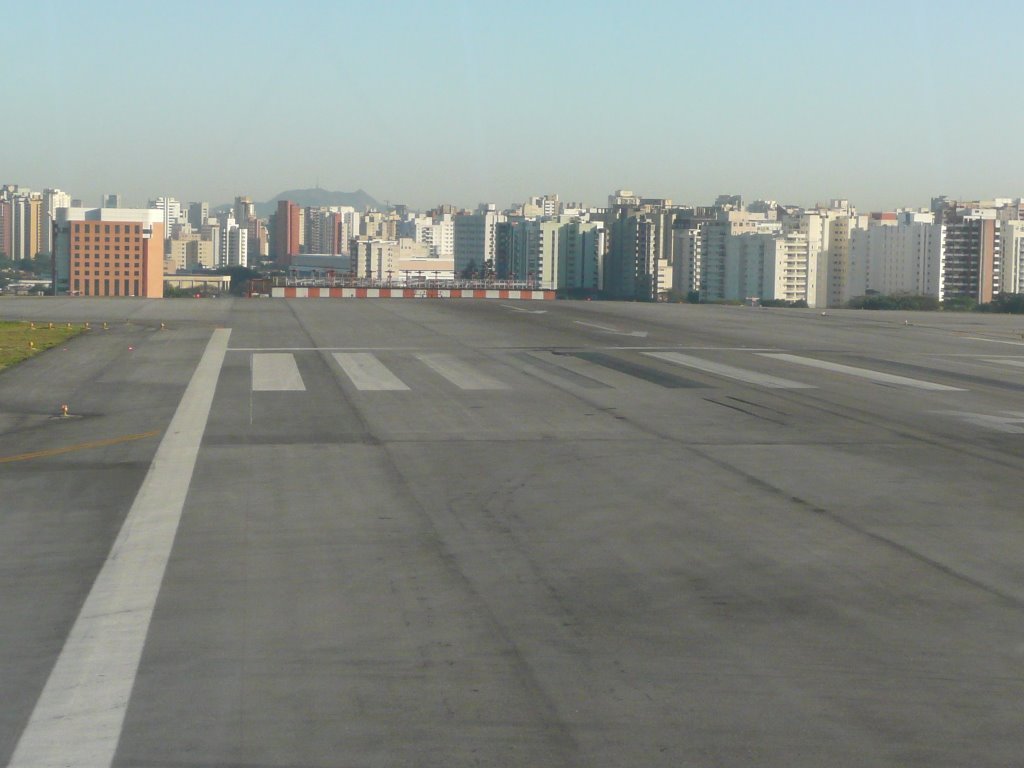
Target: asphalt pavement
[[314, 533]]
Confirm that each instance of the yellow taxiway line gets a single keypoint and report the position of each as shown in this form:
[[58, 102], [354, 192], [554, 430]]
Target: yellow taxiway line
[[80, 447]]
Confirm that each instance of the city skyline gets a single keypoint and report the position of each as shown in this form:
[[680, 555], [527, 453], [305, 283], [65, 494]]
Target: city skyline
[[451, 103]]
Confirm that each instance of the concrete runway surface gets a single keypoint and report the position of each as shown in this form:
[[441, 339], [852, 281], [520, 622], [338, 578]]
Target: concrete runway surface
[[391, 533]]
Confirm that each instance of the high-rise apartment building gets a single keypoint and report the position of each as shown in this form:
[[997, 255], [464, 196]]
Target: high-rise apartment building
[[558, 253], [382, 225], [198, 213], [1012, 280], [725, 223], [474, 241], [26, 224], [172, 213], [436, 232], [897, 252], [234, 242], [52, 200], [970, 247], [244, 209], [828, 241], [189, 252], [6, 228], [688, 254], [286, 229]]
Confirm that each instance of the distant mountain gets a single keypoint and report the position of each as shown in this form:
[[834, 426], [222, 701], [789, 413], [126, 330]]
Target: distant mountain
[[312, 197]]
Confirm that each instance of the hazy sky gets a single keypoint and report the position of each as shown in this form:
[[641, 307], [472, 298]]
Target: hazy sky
[[884, 103]]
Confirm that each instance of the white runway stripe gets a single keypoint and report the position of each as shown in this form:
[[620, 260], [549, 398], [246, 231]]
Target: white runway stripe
[[367, 373], [862, 373], [728, 371], [80, 713], [459, 373], [1005, 361], [276, 372]]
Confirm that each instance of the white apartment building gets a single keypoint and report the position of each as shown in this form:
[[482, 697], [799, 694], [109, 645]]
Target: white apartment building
[[791, 272], [715, 235], [687, 252], [188, 252], [828, 242], [1013, 256], [775, 266], [234, 246], [381, 225], [52, 200], [897, 252], [437, 233], [561, 253], [172, 213], [546, 206], [234, 242]]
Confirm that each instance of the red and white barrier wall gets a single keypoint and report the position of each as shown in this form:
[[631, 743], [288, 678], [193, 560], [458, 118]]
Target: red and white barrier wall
[[408, 293]]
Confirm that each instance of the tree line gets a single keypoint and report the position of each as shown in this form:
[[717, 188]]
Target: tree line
[[1006, 303]]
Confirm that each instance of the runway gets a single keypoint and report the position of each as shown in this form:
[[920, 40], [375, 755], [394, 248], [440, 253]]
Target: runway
[[480, 533]]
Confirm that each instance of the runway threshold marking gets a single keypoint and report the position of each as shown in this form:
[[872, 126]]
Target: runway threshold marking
[[615, 331], [276, 372], [996, 341], [459, 373], [862, 373], [1005, 361], [80, 713], [527, 311], [367, 373], [729, 371], [1010, 422], [48, 452]]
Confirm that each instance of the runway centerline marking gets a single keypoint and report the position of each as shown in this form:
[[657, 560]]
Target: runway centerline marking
[[80, 713], [47, 452], [862, 373]]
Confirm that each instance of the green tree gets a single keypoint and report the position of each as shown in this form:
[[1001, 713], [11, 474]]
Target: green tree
[[240, 277], [959, 304]]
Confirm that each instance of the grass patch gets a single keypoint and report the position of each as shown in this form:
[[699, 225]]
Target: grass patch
[[19, 341]]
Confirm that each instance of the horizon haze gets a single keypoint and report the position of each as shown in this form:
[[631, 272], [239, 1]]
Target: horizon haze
[[462, 104]]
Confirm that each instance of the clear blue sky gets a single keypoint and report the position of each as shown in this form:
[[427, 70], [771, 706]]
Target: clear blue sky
[[884, 103]]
